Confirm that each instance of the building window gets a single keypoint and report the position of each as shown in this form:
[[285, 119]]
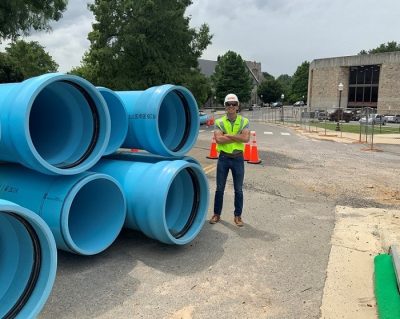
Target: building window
[[352, 94], [374, 95], [363, 86]]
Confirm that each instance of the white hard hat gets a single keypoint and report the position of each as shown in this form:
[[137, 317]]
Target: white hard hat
[[231, 98]]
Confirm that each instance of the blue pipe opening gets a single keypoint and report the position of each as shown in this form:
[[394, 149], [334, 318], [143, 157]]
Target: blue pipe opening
[[163, 120], [85, 212], [20, 263], [181, 214], [28, 262], [174, 120], [119, 119], [53, 123], [94, 214], [63, 124], [166, 199]]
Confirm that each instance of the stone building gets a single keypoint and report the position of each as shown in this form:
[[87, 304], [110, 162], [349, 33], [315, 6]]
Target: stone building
[[371, 80], [207, 67]]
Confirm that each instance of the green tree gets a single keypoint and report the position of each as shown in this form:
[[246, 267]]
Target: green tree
[[300, 82], [232, 76], [270, 89], [30, 58], [285, 81], [199, 85], [391, 46], [142, 43], [267, 75], [17, 16], [8, 71]]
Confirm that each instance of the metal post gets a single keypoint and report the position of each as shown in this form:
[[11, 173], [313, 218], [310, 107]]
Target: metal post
[[339, 110], [340, 88]]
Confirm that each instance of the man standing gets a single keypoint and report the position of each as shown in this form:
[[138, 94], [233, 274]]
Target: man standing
[[231, 132]]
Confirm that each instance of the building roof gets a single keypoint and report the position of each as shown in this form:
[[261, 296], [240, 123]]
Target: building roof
[[207, 67], [358, 60]]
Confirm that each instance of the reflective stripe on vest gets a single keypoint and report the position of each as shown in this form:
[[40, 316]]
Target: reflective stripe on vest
[[227, 128]]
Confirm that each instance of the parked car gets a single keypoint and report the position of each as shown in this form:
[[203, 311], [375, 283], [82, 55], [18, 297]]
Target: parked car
[[340, 115], [356, 115], [322, 116], [373, 119], [393, 118], [276, 104], [251, 107], [204, 117], [299, 103]]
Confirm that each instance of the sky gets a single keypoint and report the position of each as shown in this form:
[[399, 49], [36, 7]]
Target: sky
[[281, 34]]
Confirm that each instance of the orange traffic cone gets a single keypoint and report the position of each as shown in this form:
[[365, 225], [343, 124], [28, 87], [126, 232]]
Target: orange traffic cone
[[210, 121], [213, 149], [247, 150], [254, 159]]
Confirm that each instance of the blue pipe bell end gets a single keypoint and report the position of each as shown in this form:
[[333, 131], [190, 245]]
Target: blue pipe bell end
[[28, 262], [54, 123], [119, 119], [93, 214], [85, 212], [186, 205], [167, 200], [163, 120]]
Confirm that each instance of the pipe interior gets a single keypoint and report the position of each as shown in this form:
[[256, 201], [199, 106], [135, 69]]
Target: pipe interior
[[96, 215], [119, 120], [16, 261], [172, 120], [61, 124], [179, 202]]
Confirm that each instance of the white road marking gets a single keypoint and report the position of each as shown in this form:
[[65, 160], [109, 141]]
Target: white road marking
[[268, 133], [284, 133]]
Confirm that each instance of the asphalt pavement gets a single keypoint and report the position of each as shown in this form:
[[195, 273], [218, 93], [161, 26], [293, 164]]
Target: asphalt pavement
[[273, 267]]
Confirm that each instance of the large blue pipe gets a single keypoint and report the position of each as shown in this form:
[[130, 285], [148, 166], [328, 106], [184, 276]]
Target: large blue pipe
[[53, 123], [119, 119], [85, 212], [166, 200], [123, 155], [28, 262], [163, 120]]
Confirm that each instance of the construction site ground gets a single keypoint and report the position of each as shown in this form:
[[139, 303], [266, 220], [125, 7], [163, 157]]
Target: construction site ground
[[317, 210]]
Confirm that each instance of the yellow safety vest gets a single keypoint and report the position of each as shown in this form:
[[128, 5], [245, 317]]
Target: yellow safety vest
[[226, 127]]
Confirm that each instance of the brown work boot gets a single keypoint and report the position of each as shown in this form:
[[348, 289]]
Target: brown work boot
[[215, 219], [238, 221]]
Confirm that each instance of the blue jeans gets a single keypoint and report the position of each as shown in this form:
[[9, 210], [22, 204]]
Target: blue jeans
[[236, 165]]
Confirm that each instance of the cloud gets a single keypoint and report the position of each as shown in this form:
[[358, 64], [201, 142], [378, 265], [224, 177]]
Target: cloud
[[283, 34], [279, 34], [68, 40]]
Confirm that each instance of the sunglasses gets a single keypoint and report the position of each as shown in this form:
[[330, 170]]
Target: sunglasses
[[227, 104]]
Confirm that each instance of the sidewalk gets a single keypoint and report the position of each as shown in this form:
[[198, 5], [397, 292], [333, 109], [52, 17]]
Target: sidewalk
[[359, 235], [344, 137]]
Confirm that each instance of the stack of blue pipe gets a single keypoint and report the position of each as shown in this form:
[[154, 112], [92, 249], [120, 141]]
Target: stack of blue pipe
[[64, 185]]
